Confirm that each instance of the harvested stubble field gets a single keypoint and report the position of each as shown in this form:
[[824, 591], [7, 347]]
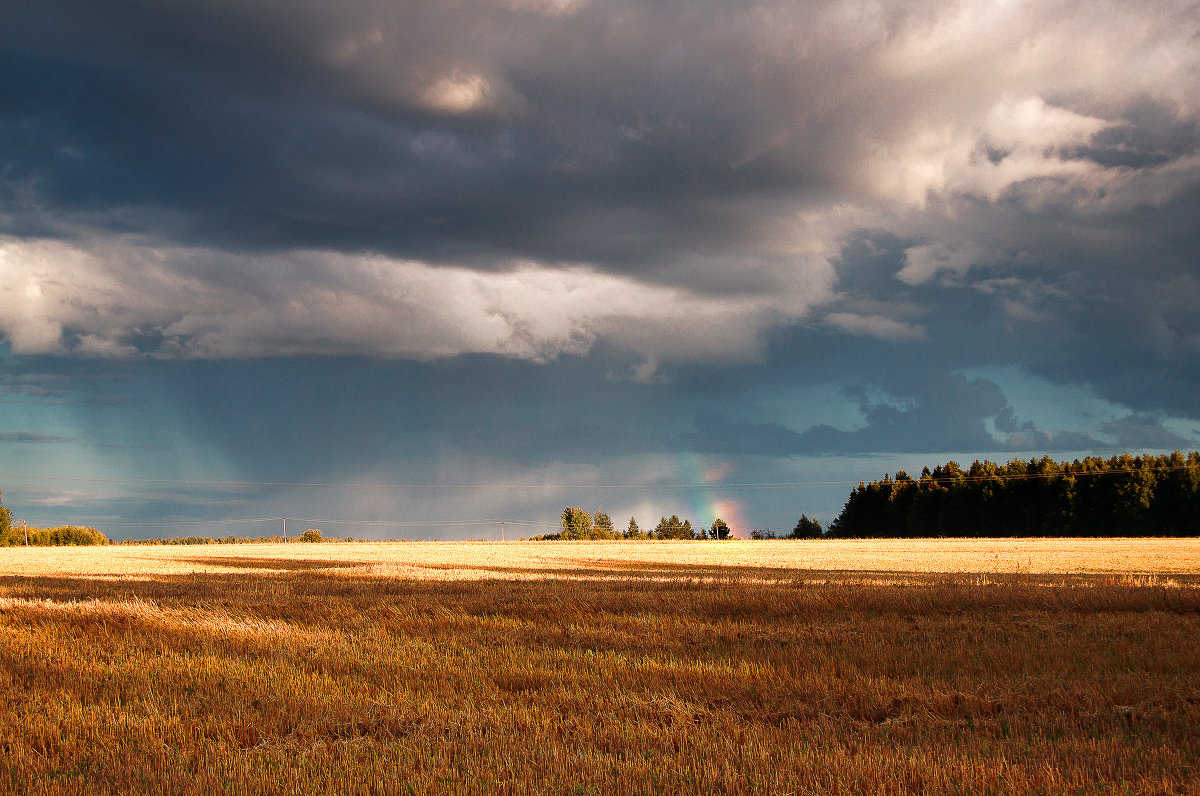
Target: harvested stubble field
[[1011, 666]]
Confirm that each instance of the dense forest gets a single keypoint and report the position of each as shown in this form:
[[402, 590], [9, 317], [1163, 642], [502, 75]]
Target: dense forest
[[1121, 496]]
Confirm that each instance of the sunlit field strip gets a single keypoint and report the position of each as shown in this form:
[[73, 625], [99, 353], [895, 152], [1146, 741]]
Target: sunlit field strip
[[472, 560]]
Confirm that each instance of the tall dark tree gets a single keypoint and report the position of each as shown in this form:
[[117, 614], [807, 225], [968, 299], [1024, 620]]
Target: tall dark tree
[[718, 529], [632, 531], [807, 528]]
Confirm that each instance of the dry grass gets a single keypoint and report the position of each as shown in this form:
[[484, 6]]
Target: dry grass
[[471, 560], [639, 668]]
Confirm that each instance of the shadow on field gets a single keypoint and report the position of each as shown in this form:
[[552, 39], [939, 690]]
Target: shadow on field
[[274, 564], [623, 571], [270, 583], [620, 570]]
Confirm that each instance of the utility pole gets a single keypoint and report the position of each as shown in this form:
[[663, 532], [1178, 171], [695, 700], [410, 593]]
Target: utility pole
[[25, 528], [502, 530], [284, 528]]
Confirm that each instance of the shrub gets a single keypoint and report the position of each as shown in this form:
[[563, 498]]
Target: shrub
[[66, 535], [6, 536], [311, 535]]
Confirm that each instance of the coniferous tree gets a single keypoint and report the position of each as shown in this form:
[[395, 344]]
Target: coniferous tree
[[672, 528], [807, 528]]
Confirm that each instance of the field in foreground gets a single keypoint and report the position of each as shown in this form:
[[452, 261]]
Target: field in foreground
[[333, 668]]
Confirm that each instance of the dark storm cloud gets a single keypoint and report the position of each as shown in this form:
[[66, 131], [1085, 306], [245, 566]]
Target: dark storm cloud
[[285, 125], [1133, 333], [545, 215], [1153, 135], [942, 413], [936, 413], [946, 414], [1024, 435], [630, 135], [718, 434], [1139, 432]]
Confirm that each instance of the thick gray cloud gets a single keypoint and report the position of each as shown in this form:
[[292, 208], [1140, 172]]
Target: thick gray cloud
[[1143, 431], [930, 414], [725, 148]]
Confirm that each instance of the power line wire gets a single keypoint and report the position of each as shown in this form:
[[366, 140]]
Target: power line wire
[[334, 485], [694, 485], [184, 523], [327, 521]]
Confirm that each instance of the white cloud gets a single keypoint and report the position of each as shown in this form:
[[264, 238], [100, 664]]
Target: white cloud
[[925, 262], [29, 327], [972, 98], [984, 157], [457, 93], [101, 299], [878, 326], [553, 8]]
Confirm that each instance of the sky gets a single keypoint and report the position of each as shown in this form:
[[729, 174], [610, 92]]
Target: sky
[[406, 269]]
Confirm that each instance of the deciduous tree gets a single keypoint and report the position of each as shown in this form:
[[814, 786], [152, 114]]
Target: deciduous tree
[[576, 523], [602, 526]]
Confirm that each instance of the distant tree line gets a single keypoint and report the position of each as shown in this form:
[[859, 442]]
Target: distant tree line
[[806, 528], [1120, 496], [12, 536], [578, 524], [17, 536]]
